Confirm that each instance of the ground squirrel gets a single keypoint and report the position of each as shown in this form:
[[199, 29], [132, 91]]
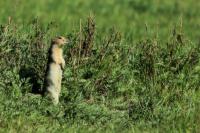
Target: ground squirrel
[[55, 66]]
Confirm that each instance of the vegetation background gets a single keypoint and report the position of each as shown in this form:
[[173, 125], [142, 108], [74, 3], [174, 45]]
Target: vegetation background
[[132, 65]]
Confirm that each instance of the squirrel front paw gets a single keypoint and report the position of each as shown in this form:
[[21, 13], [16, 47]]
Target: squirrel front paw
[[62, 66]]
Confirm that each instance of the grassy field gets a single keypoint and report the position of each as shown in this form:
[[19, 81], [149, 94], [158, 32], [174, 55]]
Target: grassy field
[[131, 66]]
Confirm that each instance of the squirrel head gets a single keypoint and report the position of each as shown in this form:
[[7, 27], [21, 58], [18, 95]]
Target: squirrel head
[[60, 41]]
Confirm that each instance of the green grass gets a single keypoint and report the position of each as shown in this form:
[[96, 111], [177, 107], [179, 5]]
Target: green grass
[[131, 66]]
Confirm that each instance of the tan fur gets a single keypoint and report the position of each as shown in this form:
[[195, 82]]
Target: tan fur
[[54, 72], [57, 55]]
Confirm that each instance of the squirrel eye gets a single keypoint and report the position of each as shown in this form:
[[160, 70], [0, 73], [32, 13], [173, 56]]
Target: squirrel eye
[[59, 37]]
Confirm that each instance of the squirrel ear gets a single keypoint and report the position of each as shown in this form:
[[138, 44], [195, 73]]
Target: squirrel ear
[[53, 41]]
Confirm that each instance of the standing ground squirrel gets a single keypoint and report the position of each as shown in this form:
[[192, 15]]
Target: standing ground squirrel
[[55, 66]]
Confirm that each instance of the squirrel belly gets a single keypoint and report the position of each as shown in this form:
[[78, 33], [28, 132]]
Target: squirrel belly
[[54, 78]]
